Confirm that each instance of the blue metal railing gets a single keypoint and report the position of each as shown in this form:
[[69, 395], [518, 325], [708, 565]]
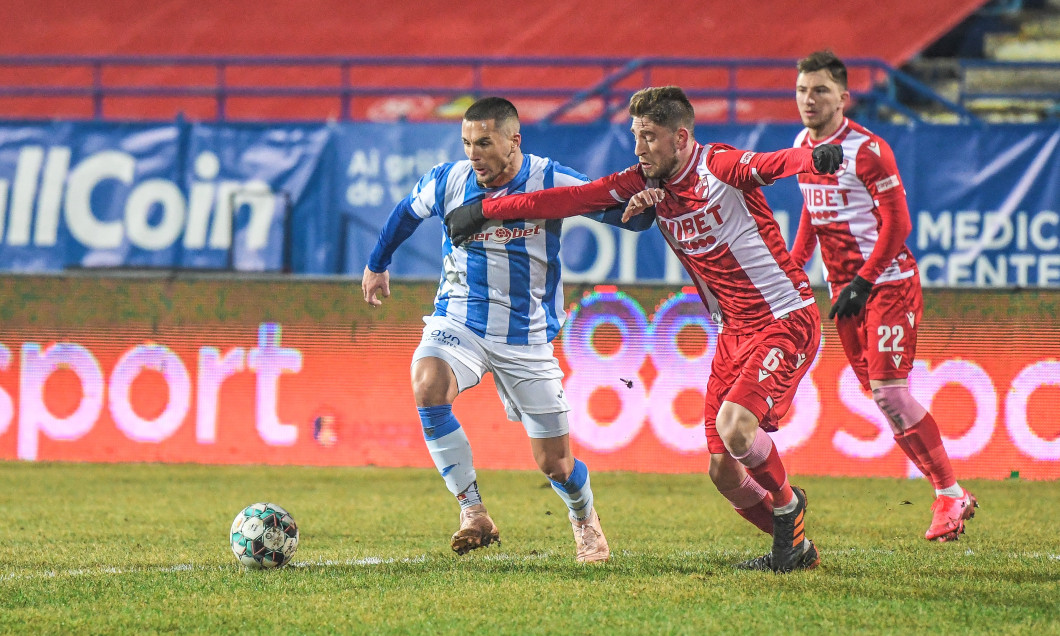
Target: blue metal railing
[[55, 77]]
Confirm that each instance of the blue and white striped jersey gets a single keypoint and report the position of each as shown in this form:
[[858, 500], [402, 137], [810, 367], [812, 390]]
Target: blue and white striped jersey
[[504, 284]]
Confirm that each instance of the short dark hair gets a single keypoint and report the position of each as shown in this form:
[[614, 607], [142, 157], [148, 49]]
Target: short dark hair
[[828, 61], [665, 106], [498, 109]]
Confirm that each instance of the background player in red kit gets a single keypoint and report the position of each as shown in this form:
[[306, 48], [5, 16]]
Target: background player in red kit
[[710, 209], [860, 217]]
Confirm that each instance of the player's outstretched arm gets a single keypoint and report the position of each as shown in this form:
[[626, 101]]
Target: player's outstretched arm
[[748, 169], [553, 203], [563, 202], [373, 283]]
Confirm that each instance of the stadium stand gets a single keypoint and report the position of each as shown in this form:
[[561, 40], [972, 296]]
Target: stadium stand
[[892, 32], [1002, 63]]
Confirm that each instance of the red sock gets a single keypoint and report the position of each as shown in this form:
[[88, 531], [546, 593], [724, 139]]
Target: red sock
[[760, 514], [926, 441], [903, 444], [753, 503], [763, 464]]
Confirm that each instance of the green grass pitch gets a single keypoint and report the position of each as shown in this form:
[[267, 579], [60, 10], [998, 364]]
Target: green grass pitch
[[143, 549]]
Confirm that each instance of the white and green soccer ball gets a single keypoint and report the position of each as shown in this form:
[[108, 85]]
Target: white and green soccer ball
[[264, 535]]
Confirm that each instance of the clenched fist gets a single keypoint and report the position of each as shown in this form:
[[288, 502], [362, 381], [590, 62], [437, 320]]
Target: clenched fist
[[827, 158], [464, 222]]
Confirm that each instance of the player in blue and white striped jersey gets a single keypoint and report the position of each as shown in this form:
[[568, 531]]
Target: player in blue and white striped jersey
[[498, 307]]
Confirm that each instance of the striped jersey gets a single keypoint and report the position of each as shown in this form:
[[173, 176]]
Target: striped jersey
[[714, 218], [859, 214], [503, 284]]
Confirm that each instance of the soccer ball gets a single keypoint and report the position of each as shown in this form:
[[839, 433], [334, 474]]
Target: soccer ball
[[264, 535]]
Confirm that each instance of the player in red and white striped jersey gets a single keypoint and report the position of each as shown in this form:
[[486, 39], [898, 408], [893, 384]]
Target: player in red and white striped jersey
[[709, 208], [859, 216]]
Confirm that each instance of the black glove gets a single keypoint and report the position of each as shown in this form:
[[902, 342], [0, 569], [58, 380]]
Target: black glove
[[852, 299], [464, 222], [827, 158]]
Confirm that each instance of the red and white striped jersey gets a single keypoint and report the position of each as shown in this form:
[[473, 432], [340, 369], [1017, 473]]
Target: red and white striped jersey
[[716, 220], [859, 214]]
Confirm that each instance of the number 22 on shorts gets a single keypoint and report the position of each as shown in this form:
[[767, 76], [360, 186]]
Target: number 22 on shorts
[[894, 334]]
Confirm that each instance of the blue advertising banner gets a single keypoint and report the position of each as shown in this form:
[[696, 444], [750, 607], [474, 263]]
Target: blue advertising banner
[[983, 199], [153, 196], [311, 198], [985, 205], [77, 195], [377, 166], [247, 190]]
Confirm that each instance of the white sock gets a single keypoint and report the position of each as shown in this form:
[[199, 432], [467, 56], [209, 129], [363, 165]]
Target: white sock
[[954, 491], [449, 448], [576, 493], [788, 508], [469, 497]]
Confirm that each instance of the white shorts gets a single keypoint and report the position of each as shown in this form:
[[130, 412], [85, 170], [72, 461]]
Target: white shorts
[[528, 378]]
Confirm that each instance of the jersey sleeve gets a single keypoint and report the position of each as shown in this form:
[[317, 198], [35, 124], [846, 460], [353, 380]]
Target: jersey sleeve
[[426, 199], [878, 170], [613, 216], [747, 170], [563, 202], [805, 240], [564, 176], [399, 226]]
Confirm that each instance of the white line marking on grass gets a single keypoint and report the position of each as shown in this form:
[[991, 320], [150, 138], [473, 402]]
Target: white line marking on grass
[[187, 567], [423, 558], [372, 560], [52, 574], [504, 556]]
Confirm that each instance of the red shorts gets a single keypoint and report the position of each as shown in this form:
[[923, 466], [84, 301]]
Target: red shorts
[[880, 342], [761, 371]]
